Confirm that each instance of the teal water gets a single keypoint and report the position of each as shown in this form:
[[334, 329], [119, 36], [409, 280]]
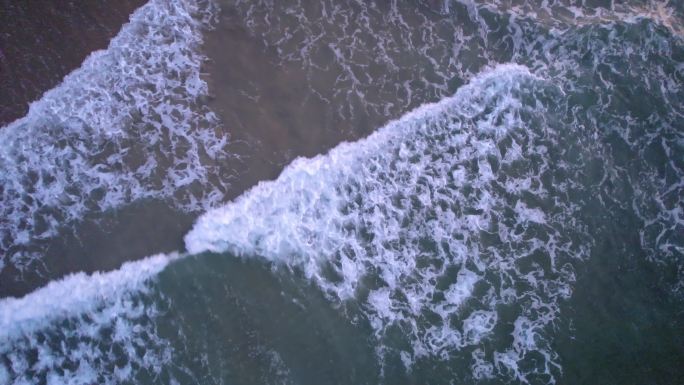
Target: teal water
[[520, 221]]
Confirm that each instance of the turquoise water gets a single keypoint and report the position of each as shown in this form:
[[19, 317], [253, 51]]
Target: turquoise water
[[519, 221]]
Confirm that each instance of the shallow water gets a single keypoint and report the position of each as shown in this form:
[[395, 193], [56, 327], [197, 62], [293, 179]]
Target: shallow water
[[508, 207]]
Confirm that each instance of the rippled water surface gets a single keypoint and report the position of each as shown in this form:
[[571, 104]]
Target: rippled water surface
[[356, 193]]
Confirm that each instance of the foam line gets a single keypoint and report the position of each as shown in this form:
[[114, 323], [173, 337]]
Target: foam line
[[387, 221], [228, 228], [75, 294]]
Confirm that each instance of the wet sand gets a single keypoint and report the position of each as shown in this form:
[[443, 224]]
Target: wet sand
[[42, 41]]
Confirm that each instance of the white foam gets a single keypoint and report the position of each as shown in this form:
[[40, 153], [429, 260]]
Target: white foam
[[408, 205], [481, 369], [527, 214], [94, 323], [478, 325], [306, 182], [127, 125], [74, 294], [434, 44]]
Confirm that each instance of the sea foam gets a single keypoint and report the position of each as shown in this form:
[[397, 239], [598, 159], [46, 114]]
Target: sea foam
[[404, 54], [84, 329], [73, 294], [414, 225], [128, 124], [443, 224]]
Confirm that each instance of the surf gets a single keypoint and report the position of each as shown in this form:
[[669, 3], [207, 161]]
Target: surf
[[128, 125], [382, 223]]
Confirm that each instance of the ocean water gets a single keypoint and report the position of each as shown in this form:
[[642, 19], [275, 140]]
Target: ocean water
[[128, 125], [438, 192], [64, 34]]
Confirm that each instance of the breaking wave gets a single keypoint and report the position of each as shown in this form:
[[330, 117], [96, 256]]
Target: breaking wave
[[441, 227], [604, 58], [454, 233], [84, 329]]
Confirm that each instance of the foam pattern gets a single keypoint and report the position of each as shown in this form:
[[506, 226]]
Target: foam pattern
[[453, 233], [391, 57], [85, 329], [129, 124], [394, 56], [637, 140], [432, 225]]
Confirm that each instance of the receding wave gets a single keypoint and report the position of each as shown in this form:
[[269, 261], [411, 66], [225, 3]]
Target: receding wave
[[129, 124]]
